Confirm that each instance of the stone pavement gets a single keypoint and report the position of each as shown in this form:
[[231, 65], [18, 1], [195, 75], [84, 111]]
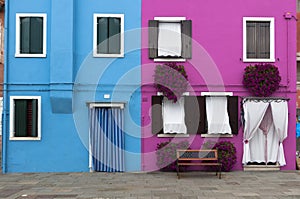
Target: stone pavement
[[248, 185]]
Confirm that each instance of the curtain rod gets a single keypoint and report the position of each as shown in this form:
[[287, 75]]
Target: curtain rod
[[265, 99]]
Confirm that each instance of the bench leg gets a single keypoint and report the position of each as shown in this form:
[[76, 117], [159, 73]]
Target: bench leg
[[220, 170], [177, 169]]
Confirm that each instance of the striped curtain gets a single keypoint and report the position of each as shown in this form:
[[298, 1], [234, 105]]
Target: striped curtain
[[107, 139]]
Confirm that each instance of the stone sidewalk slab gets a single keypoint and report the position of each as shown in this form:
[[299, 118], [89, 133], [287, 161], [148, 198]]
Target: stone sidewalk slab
[[154, 185]]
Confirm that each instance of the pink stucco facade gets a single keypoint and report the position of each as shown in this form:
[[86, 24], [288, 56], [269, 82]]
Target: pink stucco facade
[[217, 61]]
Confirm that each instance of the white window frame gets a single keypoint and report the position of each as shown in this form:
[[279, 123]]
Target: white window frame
[[272, 38], [173, 20], [18, 39], [95, 54], [12, 114]]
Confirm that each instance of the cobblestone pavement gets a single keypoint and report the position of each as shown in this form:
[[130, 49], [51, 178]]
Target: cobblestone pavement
[[248, 185]]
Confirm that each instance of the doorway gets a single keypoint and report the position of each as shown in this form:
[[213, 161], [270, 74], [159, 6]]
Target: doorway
[[106, 137]]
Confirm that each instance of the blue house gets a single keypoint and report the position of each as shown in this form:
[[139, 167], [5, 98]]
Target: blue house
[[72, 75]]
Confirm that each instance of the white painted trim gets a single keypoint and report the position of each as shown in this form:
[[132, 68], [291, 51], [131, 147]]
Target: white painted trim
[[183, 94], [107, 105], [216, 135], [170, 19], [18, 16], [95, 54], [177, 135], [272, 38], [169, 60], [217, 94], [12, 114]]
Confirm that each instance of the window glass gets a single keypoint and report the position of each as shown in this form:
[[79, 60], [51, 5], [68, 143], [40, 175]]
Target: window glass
[[31, 35], [108, 35], [25, 118], [169, 39]]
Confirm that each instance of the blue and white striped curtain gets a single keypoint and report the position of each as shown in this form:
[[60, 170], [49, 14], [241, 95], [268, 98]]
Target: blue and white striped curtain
[[107, 139]]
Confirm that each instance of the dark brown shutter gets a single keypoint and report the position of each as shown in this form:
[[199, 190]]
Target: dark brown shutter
[[251, 39], [258, 39], [232, 108], [195, 115], [263, 40], [153, 38], [186, 35], [157, 120]]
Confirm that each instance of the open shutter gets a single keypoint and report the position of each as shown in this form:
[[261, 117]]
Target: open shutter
[[36, 35], [114, 35], [195, 115], [153, 38], [232, 108], [186, 38], [34, 118], [157, 119], [20, 118]]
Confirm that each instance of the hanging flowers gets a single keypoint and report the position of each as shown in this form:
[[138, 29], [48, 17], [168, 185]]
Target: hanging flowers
[[262, 80], [171, 79]]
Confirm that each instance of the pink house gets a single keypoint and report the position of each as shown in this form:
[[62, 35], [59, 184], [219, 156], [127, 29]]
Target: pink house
[[219, 39]]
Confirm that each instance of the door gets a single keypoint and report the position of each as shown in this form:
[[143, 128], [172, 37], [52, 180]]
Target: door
[[107, 139]]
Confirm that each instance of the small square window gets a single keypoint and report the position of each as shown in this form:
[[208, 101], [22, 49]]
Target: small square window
[[25, 112], [30, 35], [170, 39], [258, 39], [108, 35]]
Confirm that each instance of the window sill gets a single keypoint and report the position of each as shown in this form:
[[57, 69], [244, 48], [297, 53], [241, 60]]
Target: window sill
[[25, 138], [173, 135], [30, 55], [169, 60], [216, 135], [108, 55], [259, 60]]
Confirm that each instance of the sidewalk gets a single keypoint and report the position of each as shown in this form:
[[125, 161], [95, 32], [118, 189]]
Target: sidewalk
[[265, 185]]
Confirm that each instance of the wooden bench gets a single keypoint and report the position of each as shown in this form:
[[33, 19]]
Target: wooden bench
[[192, 157]]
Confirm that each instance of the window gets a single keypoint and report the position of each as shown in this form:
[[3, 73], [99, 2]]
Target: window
[[30, 35], [258, 39], [170, 39], [173, 116], [195, 114], [108, 35], [25, 114]]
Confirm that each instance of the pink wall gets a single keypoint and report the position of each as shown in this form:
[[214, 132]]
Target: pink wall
[[217, 59]]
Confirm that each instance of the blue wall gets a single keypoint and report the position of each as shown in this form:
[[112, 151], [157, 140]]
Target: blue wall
[[67, 79]]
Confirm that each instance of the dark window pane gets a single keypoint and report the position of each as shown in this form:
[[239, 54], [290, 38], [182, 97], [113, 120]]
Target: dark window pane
[[114, 35], [25, 35], [36, 35], [20, 118], [26, 118], [31, 35], [102, 35], [108, 35], [258, 39]]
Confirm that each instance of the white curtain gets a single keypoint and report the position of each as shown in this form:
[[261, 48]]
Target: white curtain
[[265, 130], [217, 115], [173, 116], [169, 39], [254, 113], [280, 118]]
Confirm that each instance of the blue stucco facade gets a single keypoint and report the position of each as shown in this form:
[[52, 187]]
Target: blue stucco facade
[[67, 79]]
